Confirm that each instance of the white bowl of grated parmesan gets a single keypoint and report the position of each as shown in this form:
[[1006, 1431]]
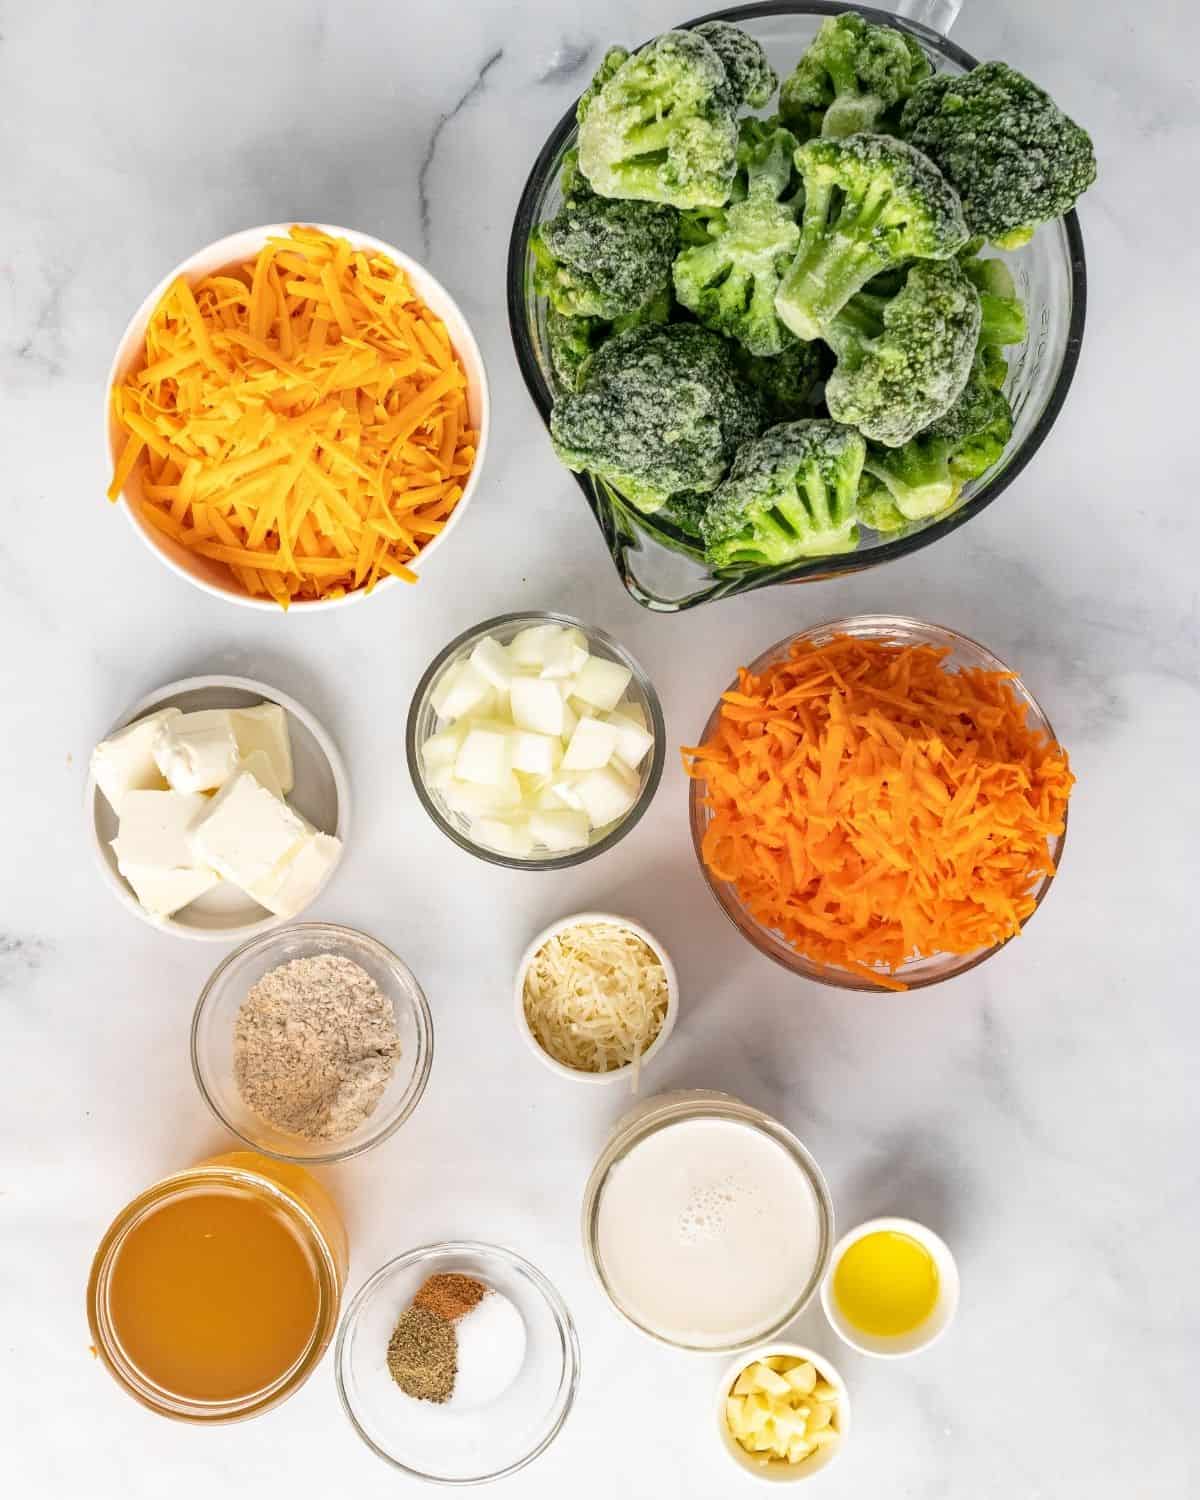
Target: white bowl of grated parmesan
[[596, 997]]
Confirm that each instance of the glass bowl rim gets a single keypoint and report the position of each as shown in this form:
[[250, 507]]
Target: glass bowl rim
[[572, 857], [887, 551], [422, 1021], [932, 634], [568, 1384]]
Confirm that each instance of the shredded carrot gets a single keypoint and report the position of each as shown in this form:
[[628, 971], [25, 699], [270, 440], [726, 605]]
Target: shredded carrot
[[300, 418], [871, 805]]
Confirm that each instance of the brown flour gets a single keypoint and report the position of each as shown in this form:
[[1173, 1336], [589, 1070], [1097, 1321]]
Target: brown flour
[[314, 1047]]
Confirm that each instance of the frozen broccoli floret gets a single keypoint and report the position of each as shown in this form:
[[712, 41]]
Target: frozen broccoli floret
[[603, 257], [902, 361], [730, 281], [1003, 311], [573, 340], [851, 74], [789, 382], [1015, 158], [876, 508], [685, 512], [661, 127], [661, 410], [925, 476], [993, 365], [792, 493], [751, 78], [609, 64], [871, 202]]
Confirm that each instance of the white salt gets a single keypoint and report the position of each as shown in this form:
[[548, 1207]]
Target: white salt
[[491, 1350]]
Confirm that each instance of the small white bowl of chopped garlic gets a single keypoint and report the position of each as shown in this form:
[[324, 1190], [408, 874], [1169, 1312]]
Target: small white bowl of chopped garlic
[[596, 998], [783, 1413]]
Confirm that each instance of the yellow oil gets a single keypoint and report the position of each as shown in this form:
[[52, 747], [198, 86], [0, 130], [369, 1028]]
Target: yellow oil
[[886, 1284]]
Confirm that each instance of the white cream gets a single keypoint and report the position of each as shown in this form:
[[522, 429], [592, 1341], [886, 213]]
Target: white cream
[[708, 1231], [125, 761]]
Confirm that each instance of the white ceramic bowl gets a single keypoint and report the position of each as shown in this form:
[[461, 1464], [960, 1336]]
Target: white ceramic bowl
[[925, 1333], [777, 1472], [212, 576], [321, 794], [576, 1075]]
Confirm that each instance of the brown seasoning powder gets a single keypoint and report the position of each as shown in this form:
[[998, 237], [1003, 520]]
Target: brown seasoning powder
[[450, 1294], [422, 1355]]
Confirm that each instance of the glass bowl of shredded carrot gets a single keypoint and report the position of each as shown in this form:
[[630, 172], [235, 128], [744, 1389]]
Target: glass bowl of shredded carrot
[[297, 417], [878, 803]]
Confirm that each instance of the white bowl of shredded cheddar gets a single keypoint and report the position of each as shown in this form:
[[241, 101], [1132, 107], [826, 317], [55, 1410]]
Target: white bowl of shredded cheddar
[[596, 998], [296, 417]]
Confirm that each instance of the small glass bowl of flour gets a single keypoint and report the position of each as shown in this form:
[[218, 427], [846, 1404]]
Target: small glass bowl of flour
[[312, 1043]]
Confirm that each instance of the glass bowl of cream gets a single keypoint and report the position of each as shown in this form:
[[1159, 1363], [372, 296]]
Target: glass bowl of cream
[[707, 1223]]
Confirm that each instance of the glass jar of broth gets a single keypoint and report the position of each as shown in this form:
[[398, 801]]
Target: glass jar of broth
[[214, 1294]]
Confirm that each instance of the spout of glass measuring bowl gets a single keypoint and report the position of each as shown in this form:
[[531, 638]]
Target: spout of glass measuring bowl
[[938, 15]]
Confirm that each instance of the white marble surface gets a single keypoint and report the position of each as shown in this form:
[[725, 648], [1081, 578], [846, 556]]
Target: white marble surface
[[1041, 1112]]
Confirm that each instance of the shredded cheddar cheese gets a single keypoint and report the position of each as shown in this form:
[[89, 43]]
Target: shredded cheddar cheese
[[301, 418], [595, 997], [870, 804]]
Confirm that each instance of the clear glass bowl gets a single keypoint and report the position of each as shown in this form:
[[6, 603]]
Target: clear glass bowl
[[438, 1443], [423, 722], [662, 1112], [918, 972], [216, 1015], [655, 562]]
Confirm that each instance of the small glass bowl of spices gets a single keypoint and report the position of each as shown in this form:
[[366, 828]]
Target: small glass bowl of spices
[[457, 1362], [312, 1043]]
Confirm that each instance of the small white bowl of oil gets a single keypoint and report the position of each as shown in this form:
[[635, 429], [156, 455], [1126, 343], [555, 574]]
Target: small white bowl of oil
[[891, 1288]]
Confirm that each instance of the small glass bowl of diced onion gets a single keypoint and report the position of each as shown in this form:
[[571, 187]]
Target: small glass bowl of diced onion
[[535, 741]]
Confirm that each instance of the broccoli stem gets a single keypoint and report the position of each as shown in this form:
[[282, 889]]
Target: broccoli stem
[[917, 477], [1002, 321], [835, 260]]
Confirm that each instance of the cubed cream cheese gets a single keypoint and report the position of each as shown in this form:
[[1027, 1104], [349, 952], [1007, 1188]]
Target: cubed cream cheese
[[265, 727], [263, 769], [293, 884], [197, 752], [125, 761], [246, 832], [154, 851]]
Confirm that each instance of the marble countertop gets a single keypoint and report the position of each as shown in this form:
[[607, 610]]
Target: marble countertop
[[1041, 1112]]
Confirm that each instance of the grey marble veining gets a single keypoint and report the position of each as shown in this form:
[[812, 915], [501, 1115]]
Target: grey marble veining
[[1042, 1111]]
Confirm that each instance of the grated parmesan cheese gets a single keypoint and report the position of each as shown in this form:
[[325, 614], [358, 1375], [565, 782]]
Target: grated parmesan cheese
[[596, 997]]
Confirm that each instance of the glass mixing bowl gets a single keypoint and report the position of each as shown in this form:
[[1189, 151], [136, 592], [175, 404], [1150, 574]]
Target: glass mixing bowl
[[423, 722], [445, 1444], [964, 653], [216, 1017], [653, 560]]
